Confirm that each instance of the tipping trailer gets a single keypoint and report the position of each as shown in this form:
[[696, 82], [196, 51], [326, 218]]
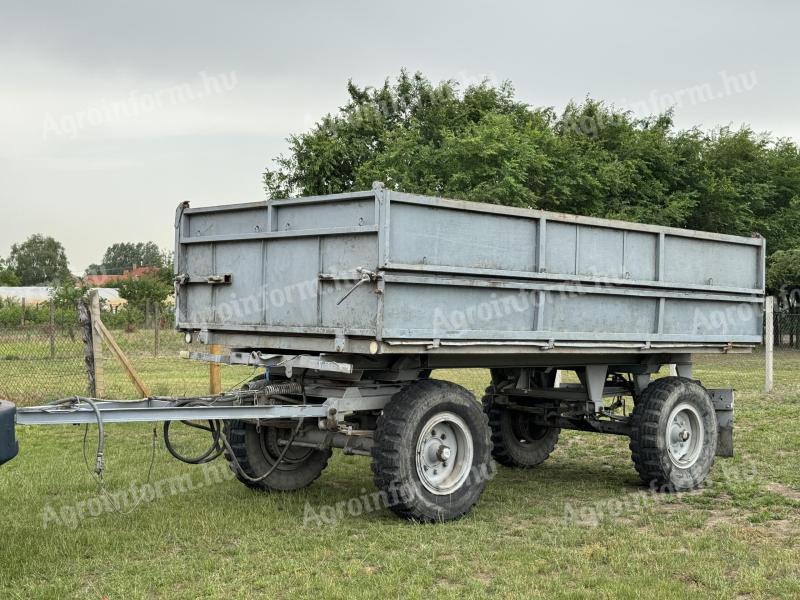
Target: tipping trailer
[[349, 301]]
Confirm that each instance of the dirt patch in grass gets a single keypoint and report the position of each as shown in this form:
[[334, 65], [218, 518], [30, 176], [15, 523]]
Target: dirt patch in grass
[[784, 490]]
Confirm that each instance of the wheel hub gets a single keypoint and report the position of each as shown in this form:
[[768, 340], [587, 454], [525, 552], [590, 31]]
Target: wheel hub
[[684, 435], [444, 453]]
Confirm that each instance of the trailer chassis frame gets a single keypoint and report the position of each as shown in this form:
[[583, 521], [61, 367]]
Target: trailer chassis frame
[[344, 386]]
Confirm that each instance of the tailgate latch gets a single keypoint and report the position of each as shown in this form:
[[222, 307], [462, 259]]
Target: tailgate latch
[[366, 277], [222, 279]]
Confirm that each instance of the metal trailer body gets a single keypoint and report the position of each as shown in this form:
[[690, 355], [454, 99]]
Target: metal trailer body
[[348, 301], [452, 277]]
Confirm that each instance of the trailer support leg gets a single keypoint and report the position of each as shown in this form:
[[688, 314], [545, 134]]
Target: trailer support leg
[[595, 382], [684, 370]]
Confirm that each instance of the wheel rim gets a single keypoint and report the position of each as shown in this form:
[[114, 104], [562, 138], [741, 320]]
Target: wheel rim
[[271, 449], [523, 430], [444, 453], [684, 435]]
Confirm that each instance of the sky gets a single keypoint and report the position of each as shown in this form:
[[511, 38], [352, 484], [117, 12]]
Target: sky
[[113, 113]]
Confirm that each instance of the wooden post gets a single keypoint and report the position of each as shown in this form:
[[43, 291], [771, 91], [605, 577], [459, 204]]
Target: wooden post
[[769, 342], [97, 344], [85, 321], [52, 329], [120, 356], [214, 372], [157, 331], [22, 318]]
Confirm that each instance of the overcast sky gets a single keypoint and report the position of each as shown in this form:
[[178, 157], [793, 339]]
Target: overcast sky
[[112, 113]]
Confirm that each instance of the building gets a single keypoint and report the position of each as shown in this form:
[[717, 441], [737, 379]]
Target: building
[[34, 295], [135, 273]]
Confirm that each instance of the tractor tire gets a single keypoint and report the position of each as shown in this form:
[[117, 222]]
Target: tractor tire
[[432, 452], [673, 434], [517, 442], [255, 451]]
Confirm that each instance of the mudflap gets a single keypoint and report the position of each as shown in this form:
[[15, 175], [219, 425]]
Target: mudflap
[[723, 405], [8, 439]]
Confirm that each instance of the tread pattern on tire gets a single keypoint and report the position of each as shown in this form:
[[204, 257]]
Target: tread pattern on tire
[[647, 457], [500, 450], [388, 451]]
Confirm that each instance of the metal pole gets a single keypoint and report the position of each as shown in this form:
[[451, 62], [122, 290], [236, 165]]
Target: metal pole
[[769, 340], [157, 319], [52, 330]]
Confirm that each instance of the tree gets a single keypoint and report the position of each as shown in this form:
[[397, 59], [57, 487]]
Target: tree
[[39, 260], [7, 275], [783, 274], [483, 144], [67, 293], [125, 255], [140, 291]]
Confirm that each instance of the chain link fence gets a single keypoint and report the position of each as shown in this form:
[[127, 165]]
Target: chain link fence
[[43, 358], [154, 353], [41, 361]]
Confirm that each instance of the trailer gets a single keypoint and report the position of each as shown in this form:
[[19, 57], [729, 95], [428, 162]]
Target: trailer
[[348, 302]]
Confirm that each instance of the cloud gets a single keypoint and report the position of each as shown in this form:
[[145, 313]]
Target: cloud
[[54, 104]]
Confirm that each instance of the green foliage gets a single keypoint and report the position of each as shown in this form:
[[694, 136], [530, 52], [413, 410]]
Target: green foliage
[[125, 255], [783, 271], [483, 144], [143, 290], [66, 294], [35, 314], [39, 260], [7, 275]]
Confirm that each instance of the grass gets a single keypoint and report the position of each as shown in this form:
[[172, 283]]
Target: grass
[[580, 525]]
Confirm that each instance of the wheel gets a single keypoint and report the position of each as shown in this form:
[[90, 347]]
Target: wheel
[[673, 434], [256, 450], [432, 451], [517, 442]]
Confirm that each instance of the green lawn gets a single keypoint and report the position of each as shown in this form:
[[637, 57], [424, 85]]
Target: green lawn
[[580, 525]]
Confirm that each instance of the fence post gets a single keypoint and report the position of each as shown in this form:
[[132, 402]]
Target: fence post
[[52, 329], [157, 319], [22, 318], [769, 342], [214, 374], [85, 321], [97, 344]]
